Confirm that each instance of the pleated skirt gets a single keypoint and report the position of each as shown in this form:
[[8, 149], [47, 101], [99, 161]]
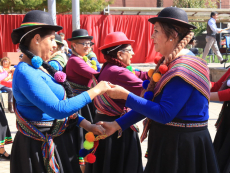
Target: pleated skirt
[[26, 153], [222, 140], [117, 155], [180, 150]]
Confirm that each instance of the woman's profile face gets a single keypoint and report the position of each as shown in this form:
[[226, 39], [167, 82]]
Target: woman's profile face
[[160, 39], [126, 54], [47, 46], [6, 63]]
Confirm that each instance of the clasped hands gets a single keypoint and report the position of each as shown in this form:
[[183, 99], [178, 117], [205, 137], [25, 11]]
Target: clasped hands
[[114, 92]]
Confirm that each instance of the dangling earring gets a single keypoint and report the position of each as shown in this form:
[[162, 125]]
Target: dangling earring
[[170, 40]]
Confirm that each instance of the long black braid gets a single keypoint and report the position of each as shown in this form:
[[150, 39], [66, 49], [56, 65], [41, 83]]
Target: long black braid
[[50, 69]]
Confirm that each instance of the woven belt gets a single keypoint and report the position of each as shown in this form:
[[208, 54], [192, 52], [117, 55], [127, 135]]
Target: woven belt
[[176, 124], [42, 123]]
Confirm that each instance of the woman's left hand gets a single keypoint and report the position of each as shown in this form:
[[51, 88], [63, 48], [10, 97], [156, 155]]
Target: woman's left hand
[[96, 129]]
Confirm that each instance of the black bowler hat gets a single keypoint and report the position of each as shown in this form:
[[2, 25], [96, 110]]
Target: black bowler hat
[[58, 39], [80, 34], [32, 20], [173, 15]]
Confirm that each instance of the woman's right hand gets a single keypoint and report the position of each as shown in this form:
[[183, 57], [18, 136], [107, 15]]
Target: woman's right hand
[[99, 89], [110, 127]]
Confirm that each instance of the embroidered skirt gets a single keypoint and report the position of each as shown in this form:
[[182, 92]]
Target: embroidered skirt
[[180, 150], [5, 135], [115, 155], [26, 153], [222, 139]]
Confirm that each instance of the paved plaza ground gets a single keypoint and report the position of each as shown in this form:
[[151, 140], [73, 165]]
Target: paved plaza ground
[[214, 109]]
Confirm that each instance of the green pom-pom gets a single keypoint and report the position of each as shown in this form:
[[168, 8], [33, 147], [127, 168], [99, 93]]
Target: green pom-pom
[[85, 58], [93, 62], [130, 68], [88, 145]]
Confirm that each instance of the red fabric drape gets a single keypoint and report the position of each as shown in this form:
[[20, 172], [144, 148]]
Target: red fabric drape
[[136, 28]]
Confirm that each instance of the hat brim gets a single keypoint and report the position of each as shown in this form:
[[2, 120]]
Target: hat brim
[[80, 37], [59, 42], [171, 21], [116, 44], [19, 32]]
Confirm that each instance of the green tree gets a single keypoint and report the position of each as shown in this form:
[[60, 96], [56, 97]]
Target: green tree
[[201, 26], [22, 6]]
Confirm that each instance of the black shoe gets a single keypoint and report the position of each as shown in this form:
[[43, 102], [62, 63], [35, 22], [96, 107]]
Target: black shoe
[[2, 156], [223, 61]]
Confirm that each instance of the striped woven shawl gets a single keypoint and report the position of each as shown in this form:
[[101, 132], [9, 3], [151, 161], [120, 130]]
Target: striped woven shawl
[[192, 70], [107, 106]]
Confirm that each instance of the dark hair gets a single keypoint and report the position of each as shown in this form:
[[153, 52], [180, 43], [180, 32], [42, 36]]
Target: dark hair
[[213, 13], [24, 46], [111, 56], [59, 46], [61, 34]]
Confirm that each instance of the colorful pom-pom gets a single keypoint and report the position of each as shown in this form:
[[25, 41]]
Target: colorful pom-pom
[[136, 69], [156, 77], [93, 62], [83, 152], [150, 72], [89, 137], [133, 72], [163, 69], [85, 58], [130, 68], [145, 84], [88, 145], [91, 158], [60, 76], [94, 67], [148, 95], [156, 59], [54, 65], [36, 61]]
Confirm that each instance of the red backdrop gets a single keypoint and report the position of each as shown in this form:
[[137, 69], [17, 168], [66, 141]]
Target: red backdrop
[[134, 26]]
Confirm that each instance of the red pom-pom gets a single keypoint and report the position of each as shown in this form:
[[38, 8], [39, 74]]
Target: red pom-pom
[[91, 158], [163, 69], [156, 59]]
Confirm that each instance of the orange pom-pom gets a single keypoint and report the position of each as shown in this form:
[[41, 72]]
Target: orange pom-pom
[[156, 77], [163, 69], [156, 59], [90, 137], [91, 158], [150, 72]]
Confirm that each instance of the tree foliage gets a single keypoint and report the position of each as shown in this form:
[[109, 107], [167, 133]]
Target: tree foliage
[[201, 26], [62, 6]]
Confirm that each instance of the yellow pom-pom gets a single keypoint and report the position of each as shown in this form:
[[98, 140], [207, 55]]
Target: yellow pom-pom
[[88, 145], [133, 72], [85, 58], [94, 67], [93, 62], [150, 72], [156, 77], [89, 137]]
